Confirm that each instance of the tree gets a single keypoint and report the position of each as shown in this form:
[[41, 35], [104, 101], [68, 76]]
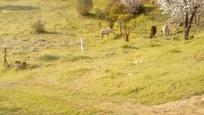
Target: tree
[[182, 10], [84, 6], [113, 10], [125, 30], [122, 11], [133, 6]]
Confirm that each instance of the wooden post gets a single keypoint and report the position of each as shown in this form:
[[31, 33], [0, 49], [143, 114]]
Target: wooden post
[[82, 46], [99, 25], [5, 58]]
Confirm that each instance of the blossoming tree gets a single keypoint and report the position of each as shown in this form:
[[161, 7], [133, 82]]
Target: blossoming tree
[[182, 10]]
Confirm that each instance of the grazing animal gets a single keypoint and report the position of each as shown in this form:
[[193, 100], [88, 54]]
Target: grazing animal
[[153, 31], [165, 30], [106, 32]]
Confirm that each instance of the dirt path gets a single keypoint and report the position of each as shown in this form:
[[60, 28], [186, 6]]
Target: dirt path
[[191, 106]]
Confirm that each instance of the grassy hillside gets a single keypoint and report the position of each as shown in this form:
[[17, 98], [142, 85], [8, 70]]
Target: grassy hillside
[[65, 81]]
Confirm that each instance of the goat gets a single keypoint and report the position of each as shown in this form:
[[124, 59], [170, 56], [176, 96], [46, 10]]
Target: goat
[[106, 32], [153, 32], [165, 30]]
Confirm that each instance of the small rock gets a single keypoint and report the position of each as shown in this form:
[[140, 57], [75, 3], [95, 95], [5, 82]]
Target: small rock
[[202, 99], [130, 74], [195, 100], [138, 61]]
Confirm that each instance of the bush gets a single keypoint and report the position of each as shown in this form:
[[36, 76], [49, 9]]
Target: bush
[[84, 6], [38, 27], [113, 10]]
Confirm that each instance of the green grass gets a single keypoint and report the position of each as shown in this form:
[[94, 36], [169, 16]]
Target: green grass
[[69, 82]]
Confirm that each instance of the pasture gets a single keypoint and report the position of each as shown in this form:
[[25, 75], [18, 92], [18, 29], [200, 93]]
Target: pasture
[[109, 75]]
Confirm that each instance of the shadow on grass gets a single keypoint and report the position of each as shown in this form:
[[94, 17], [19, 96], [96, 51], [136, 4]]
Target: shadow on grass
[[90, 16], [155, 45], [149, 9], [54, 33], [9, 111], [46, 32], [130, 47], [18, 8], [78, 58], [175, 51], [48, 58]]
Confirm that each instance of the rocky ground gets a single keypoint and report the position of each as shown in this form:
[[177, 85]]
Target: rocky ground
[[190, 106]]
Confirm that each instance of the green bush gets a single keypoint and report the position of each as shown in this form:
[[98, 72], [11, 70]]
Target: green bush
[[84, 6], [38, 27]]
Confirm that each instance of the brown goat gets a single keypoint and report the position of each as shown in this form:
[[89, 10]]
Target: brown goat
[[153, 31]]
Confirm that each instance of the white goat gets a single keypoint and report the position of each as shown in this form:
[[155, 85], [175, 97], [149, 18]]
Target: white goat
[[165, 30], [106, 32]]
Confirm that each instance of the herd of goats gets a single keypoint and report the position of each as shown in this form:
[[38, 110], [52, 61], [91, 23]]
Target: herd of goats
[[165, 31]]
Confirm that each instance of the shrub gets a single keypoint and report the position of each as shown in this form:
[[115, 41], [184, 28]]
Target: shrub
[[84, 6], [113, 10], [38, 27]]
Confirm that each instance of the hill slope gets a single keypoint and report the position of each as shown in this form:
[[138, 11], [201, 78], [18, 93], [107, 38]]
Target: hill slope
[[111, 74]]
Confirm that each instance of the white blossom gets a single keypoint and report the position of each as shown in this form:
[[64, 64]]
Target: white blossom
[[177, 8]]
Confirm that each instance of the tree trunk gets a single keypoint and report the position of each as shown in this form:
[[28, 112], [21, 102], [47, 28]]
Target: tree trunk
[[126, 32], [186, 30], [188, 23], [186, 33], [121, 28], [111, 24], [127, 36]]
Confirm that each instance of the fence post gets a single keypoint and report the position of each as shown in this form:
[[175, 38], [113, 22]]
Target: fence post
[[5, 58], [82, 46]]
